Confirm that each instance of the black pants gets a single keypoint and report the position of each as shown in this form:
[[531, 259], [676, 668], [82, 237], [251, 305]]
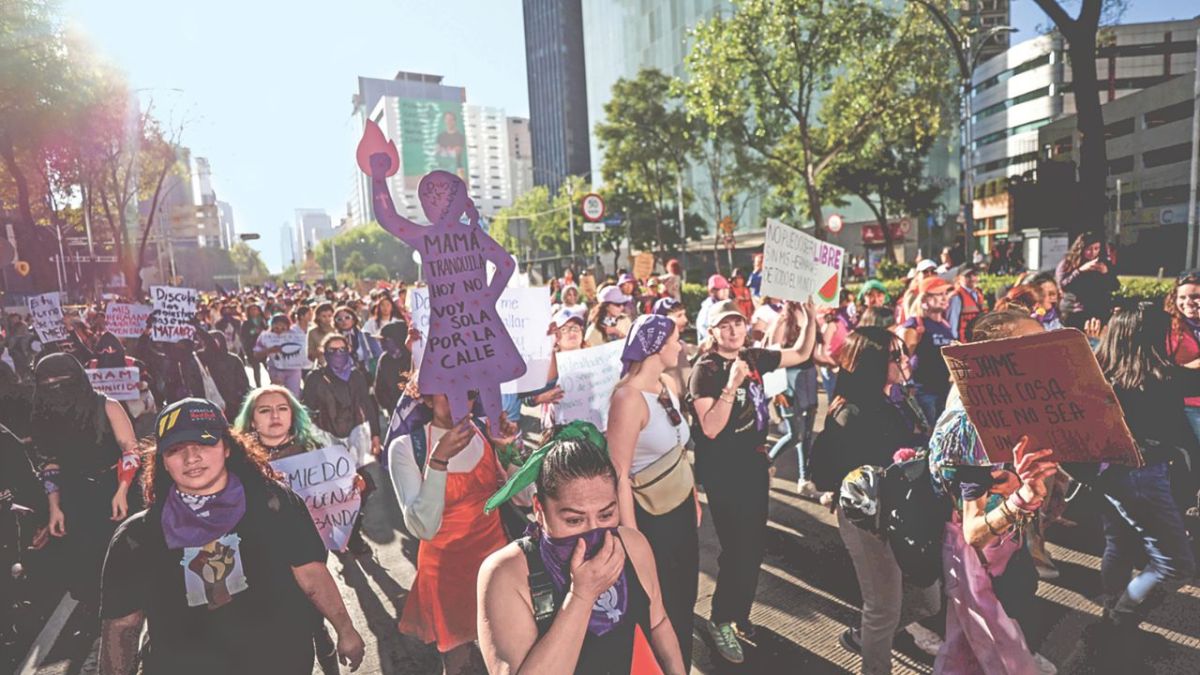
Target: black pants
[[738, 497], [676, 544]]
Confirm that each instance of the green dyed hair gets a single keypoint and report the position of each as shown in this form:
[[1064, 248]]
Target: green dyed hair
[[302, 426]]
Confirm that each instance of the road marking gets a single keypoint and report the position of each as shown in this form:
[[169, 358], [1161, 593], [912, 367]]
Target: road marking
[[49, 635]]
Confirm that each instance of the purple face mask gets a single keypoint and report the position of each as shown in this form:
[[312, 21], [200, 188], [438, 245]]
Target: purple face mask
[[556, 554], [340, 362]]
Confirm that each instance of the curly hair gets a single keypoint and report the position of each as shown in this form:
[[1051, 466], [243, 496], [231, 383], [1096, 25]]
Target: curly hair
[[248, 463], [1074, 257]]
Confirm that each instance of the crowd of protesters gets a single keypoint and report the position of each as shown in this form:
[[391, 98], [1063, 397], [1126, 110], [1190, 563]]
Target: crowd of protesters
[[587, 559]]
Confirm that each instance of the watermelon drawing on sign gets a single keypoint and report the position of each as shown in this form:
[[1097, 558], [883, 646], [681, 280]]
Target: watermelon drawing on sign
[[828, 291]]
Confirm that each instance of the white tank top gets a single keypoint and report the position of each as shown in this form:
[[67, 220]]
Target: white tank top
[[660, 436]]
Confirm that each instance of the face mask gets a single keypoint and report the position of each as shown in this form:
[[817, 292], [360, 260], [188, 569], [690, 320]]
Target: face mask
[[339, 362], [556, 554]]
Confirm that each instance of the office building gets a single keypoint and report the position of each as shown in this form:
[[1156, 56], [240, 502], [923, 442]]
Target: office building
[[287, 245], [225, 219], [520, 156], [489, 177], [989, 13], [312, 226], [559, 89]]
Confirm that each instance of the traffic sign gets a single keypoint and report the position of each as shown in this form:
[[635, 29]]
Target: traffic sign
[[834, 224], [615, 220], [592, 207], [589, 226]]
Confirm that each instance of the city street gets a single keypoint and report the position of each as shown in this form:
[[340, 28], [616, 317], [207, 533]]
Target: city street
[[807, 595]]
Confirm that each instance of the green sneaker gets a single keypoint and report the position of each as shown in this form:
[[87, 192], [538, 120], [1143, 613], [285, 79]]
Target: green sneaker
[[726, 642]]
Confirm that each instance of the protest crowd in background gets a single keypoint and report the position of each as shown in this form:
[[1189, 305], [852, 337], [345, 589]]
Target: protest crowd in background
[[248, 414]]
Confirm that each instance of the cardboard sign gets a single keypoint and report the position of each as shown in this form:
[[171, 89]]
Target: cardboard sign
[[176, 308], [324, 479], [522, 310], [116, 383], [1048, 387], [294, 348], [588, 377], [46, 316], [126, 321], [797, 266], [587, 286], [467, 346], [643, 266]]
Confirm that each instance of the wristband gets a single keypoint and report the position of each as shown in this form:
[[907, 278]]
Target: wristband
[[441, 464], [1018, 504]]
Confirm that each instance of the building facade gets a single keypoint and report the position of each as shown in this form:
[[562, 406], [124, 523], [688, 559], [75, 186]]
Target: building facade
[[489, 176], [559, 87], [311, 226], [520, 156]]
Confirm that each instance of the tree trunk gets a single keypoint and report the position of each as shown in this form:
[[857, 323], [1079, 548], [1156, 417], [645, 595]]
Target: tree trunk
[[882, 218], [1093, 155], [135, 284], [28, 244]]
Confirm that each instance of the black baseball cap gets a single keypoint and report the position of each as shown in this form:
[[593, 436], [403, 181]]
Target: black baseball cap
[[192, 420]]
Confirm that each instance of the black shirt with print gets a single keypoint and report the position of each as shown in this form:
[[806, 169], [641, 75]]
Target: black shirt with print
[[260, 622], [749, 421]]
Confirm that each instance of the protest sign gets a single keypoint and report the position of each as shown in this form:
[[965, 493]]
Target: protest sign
[[125, 320], [324, 479], [293, 344], [46, 316], [116, 383], [797, 266], [587, 285], [587, 378], [1046, 386], [467, 347], [175, 307], [643, 266]]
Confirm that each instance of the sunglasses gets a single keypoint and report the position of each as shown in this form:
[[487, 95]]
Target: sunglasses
[[664, 399], [344, 317], [338, 350]]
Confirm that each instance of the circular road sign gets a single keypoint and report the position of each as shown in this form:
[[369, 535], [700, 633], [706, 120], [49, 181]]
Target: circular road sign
[[834, 224], [592, 207]]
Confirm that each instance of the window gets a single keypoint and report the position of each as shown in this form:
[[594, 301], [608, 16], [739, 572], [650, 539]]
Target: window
[[1119, 128], [1018, 100], [1171, 113], [1167, 155], [1176, 194], [1146, 49], [1036, 62], [1119, 165], [1062, 146]]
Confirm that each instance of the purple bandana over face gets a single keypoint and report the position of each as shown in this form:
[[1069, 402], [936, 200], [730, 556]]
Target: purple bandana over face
[[340, 363], [184, 526], [646, 338], [556, 556]]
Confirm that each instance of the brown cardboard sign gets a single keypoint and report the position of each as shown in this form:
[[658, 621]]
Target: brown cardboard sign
[[1048, 387], [643, 266]]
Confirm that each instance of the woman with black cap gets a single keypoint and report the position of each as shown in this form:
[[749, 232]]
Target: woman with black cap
[[87, 455]]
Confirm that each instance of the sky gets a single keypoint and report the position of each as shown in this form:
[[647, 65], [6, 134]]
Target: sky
[[266, 91]]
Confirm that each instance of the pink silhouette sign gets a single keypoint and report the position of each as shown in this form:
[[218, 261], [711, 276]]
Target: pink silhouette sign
[[468, 347]]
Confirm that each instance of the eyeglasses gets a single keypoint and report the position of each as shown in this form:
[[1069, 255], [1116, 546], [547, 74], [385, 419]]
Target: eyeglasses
[[344, 317], [664, 399], [338, 350]]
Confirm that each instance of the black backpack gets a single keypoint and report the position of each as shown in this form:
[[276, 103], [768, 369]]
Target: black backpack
[[914, 519]]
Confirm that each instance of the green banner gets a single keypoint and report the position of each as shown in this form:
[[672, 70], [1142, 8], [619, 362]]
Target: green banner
[[432, 136]]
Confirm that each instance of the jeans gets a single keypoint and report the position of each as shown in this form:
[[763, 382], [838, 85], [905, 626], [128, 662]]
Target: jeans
[[1144, 518], [1193, 417], [799, 423], [289, 379], [932, 404], [829, 381], [888, 603]]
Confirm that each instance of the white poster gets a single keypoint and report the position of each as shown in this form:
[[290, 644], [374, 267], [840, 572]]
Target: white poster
[[175, 307], [116, 383], [797, 266], [46, 316], [125, 320], [324, 479], [587, 378], [525, 313], [293, 344]]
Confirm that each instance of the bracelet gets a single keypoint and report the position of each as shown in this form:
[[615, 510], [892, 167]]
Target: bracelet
[[1022, 504], [436, 463], [989, 525]]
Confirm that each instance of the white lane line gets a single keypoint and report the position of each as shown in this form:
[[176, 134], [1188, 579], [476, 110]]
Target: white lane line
[[49, 635]]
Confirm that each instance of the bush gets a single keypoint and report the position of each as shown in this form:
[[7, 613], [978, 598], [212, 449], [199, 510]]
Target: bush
[[693, 296], [1149, 289], [374, 272], [889, 269]]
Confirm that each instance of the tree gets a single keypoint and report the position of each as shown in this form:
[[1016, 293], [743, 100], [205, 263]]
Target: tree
[[805, 83], [373, 245], [248, 263]]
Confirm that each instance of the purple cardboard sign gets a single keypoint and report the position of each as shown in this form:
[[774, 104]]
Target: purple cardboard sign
[[468, 347]]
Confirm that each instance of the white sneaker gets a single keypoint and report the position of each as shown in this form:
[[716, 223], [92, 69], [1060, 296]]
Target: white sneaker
[[1044, 666], [925, 639], [808, 489]]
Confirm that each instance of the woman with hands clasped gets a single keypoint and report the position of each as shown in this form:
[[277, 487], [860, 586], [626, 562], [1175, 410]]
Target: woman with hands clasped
[[988, 574], [443, 472]]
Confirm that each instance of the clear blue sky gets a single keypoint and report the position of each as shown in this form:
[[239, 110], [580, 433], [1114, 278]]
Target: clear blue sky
[[267, 86]]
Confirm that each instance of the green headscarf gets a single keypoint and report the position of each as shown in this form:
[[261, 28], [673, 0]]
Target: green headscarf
[[532, 466]]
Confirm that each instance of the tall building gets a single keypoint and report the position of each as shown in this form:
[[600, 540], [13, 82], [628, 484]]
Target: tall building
[[559, 88], [520, 156], [490, 175], [312, 226], [225, 218], [989, 13], [1029, 86], [287, 245]]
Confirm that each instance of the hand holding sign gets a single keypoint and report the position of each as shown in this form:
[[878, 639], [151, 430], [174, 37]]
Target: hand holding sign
[[1033, 470]]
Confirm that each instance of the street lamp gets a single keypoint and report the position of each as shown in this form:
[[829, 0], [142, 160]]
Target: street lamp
[[571, 199], [967, 45]]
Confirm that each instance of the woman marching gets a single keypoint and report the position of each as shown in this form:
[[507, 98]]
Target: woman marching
[[579, 595], [656, 490]]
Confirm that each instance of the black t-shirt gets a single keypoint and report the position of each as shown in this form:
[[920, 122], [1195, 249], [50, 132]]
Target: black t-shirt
[[749, 421], [256, 619]]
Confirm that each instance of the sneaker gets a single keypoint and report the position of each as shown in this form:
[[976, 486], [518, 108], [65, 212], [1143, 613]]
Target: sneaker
[[1046, 571], [851, 641], [926, 640], [726, 642], [808, 490], [1044, 666], [744, 630]]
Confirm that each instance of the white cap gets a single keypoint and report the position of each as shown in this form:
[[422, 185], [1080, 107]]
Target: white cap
[[926, 264]]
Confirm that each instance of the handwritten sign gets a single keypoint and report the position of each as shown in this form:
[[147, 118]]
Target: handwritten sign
[[1048, 387], [643, 266], [588, 377], [125, 320], [293, 344], [46, 315], [797, 266], [176, 308], [324, 479], [117, 383]]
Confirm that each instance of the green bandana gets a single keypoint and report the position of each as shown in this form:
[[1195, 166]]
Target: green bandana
[[528, 473]]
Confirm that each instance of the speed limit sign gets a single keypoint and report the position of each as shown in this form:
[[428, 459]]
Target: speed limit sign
[[835, 223], [592, 207]]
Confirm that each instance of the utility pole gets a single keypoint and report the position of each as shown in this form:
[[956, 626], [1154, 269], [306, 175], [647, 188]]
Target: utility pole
[[1195, 177], [571, 216], [682, 229], [333, 248]]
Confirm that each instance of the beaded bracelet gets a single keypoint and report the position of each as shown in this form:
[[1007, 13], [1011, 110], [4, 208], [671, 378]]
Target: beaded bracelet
[[1023, 505]]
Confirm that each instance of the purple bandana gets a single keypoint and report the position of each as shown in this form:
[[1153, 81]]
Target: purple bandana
[[340, 363], [184, 526], [646, 338], [556, 556]]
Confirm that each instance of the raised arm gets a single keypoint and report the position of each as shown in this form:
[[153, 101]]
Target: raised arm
[[385, 210]]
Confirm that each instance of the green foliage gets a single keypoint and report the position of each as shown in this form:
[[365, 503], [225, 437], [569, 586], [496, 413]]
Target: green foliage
[[693, 296], [373, 246], [1133, 289], [374, 272], [889, 269], [247, 262], [1145, 289]]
